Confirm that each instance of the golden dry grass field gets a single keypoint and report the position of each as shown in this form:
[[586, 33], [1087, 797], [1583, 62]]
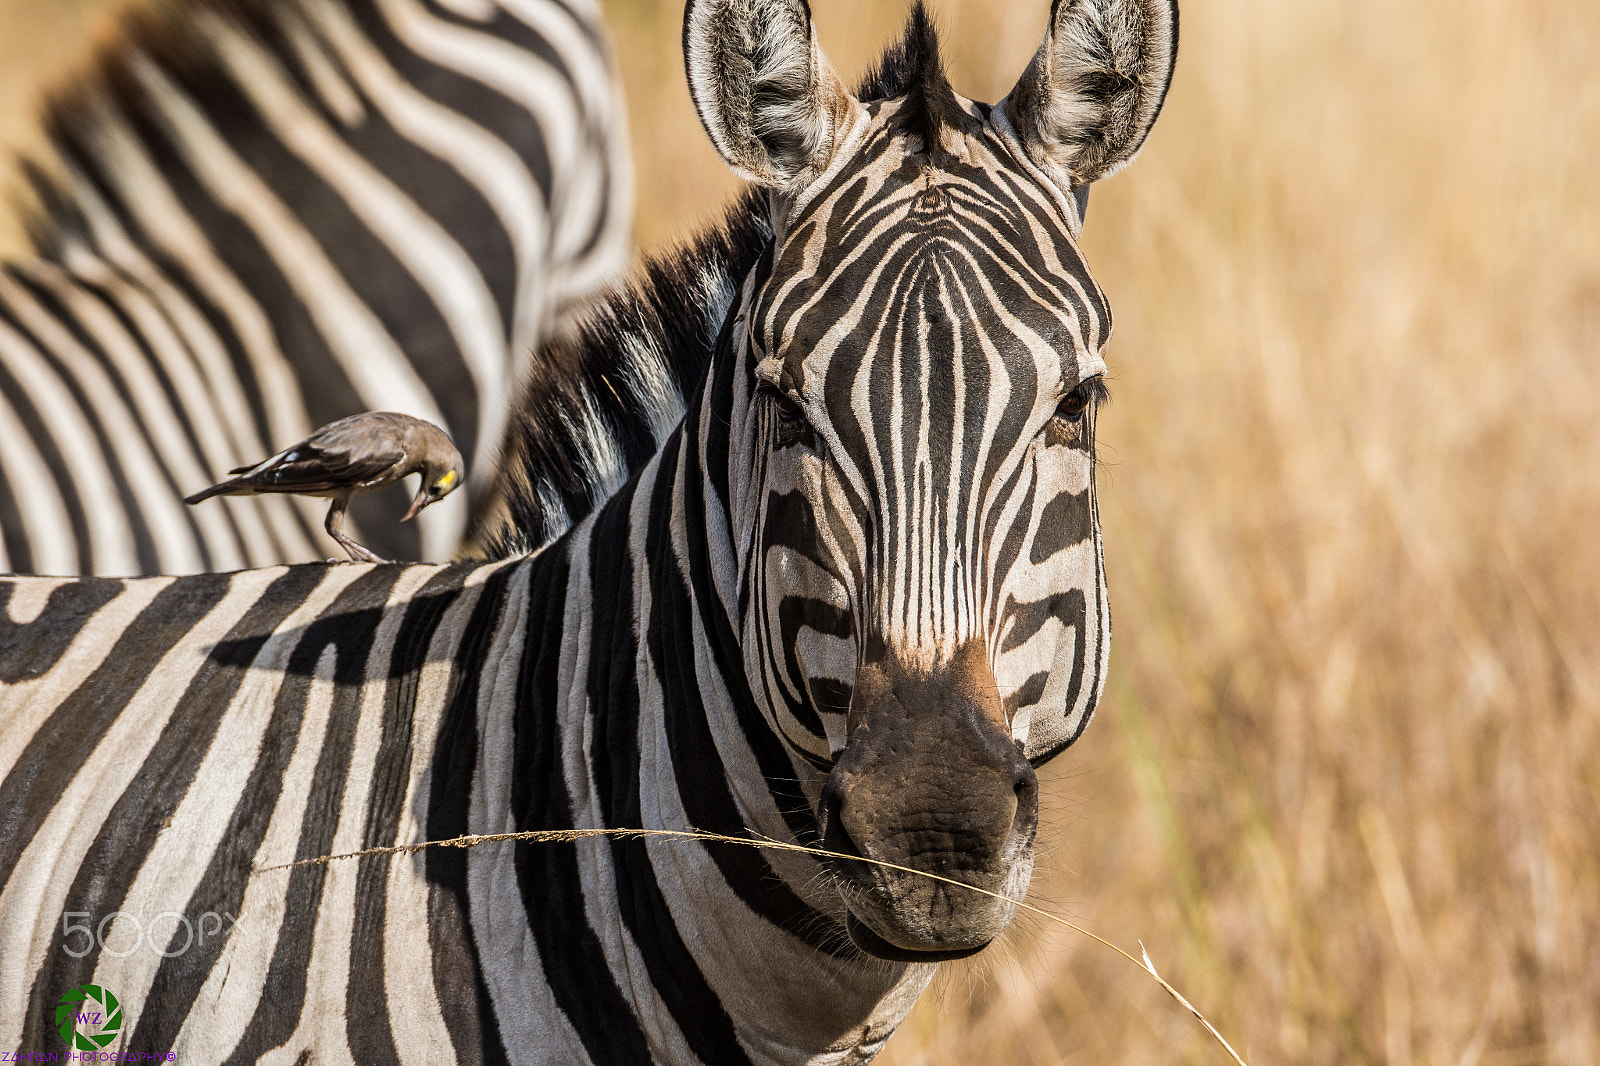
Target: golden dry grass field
[[1345, 782]]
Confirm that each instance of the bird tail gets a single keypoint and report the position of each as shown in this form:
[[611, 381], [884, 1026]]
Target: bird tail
[[206, 494]]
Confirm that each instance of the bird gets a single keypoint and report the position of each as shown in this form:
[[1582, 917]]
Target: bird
[[357, 454]]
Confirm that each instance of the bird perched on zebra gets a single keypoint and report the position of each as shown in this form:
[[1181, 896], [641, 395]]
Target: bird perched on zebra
[[343, 459]]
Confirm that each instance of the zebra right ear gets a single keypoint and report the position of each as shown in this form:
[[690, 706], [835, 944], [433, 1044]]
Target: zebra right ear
[[766, 94]]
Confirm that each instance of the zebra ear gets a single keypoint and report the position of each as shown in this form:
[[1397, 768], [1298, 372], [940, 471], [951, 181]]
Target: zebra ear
[[765, 92], [1094, 88]]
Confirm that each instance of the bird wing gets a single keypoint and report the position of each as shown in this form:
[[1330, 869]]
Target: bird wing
[[356, 451], [338, 456]]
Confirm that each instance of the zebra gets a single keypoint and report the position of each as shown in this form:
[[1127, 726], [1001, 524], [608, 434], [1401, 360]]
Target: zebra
[[269, 214], [852, 597]]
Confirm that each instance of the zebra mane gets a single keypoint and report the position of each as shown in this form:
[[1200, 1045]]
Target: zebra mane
[[597, 404], [914, 69]]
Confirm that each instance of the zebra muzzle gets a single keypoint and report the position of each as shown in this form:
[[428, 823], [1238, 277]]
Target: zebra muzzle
[[930, 779]]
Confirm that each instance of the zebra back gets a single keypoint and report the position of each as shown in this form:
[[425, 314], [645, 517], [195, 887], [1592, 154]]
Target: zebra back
[[262, 215]]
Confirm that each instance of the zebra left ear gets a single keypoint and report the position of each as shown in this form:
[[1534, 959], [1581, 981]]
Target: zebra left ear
[[1093, 90], [764, 91]]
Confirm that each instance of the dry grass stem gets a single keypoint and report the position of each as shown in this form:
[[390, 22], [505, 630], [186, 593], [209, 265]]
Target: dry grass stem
[[567, 836]]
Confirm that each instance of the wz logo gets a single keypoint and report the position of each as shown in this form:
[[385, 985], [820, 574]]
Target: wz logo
[[88, 1017]]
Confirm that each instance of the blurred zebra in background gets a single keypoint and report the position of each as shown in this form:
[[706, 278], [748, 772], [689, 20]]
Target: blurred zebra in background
[[263, 215], [835, 577]]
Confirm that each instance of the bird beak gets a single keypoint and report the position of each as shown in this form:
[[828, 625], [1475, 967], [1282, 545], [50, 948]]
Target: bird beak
[[418, 502]]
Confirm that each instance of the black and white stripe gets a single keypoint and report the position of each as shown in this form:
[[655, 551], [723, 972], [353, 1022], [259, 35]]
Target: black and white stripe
[[767, 590], [269, 214]]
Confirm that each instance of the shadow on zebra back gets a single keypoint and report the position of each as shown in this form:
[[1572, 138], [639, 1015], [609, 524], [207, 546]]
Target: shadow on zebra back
[[260, 216], [813, 554]]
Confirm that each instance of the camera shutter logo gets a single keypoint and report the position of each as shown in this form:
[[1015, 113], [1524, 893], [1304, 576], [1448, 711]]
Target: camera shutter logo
[[89, 1006]]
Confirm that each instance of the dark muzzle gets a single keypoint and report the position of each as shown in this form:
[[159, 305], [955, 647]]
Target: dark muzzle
[[929, 779]]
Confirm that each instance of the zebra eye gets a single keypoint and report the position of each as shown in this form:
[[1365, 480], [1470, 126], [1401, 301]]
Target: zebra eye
[[1072, 408], [787, 409], [792, 425], [1076, 402]]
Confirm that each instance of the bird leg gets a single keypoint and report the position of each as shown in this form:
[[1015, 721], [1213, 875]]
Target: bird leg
[[334, 521]]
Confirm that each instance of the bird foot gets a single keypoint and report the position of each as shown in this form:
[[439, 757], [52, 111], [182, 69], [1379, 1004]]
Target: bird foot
[[357, 553]]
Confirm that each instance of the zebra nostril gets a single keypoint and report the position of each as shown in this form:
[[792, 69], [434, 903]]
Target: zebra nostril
[[830, 801], [840, 842], [1025, 783], [836, 838]]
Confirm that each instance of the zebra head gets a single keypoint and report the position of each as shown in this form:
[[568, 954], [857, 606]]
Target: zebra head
[[924, 605]]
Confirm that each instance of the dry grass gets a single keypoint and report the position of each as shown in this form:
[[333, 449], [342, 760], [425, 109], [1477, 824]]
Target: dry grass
[[1346, 781]]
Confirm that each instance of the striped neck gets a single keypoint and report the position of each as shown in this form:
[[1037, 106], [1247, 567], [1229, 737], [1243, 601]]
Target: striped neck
[[619, 699]]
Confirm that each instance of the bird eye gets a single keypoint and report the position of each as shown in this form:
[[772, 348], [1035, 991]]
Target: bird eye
[[435, 490]]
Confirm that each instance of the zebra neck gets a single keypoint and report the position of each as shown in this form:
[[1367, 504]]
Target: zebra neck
[[630, 709]]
